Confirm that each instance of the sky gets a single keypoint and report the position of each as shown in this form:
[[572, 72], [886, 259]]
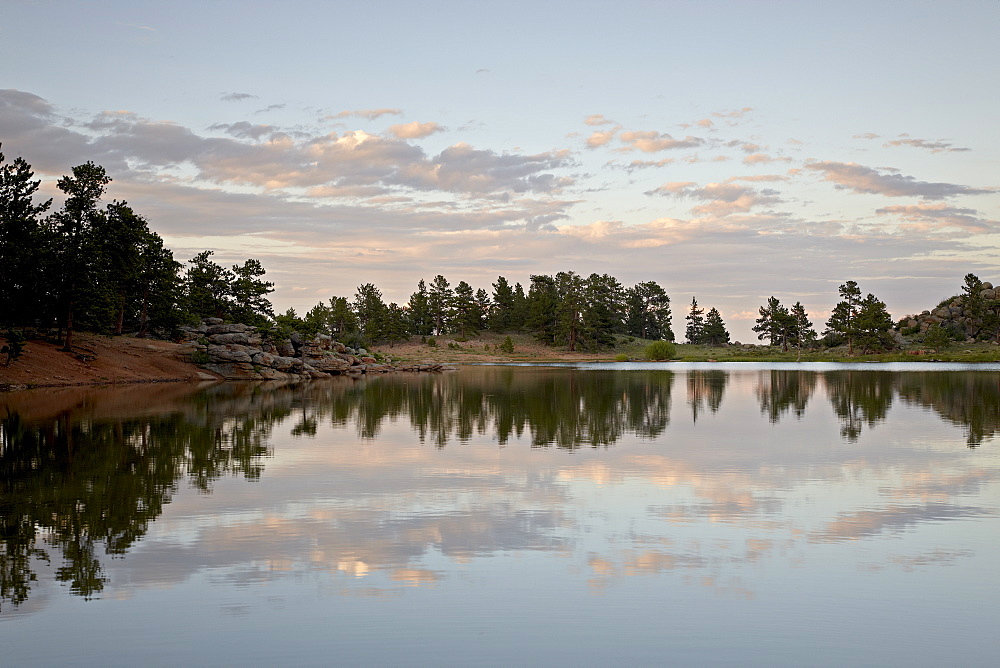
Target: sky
[[729, 151]]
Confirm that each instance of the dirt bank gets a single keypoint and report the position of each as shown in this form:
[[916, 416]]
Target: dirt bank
[[98, 360]]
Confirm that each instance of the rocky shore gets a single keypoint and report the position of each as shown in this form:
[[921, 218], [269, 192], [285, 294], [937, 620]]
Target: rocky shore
[[240, 352]]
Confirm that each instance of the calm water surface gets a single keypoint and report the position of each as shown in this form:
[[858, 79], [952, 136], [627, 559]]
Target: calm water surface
[[592, 515]]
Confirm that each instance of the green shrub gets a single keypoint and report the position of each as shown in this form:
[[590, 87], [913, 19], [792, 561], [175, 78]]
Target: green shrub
[[938, 337], [622, 357], [432, 342], [660, 350], [507, 346], [200, 357]]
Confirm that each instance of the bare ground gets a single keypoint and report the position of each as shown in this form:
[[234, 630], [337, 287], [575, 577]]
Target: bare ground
[[98, 360]]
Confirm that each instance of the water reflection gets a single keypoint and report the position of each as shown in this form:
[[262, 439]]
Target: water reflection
[[84, 474]]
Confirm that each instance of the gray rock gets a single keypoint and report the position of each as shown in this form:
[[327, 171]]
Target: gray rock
[[233, 328], [235, 337]]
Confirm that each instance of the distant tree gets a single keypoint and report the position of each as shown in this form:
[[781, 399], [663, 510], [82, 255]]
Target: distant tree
[[466, 312], [648, 312], [207, 286], [873, 326], [604, 311], [248, 292], [542, 302], [440, 304], [316, 321], [483, 305], [569, 307], [24, 244], [343, 321], [775, 323], [73, 227], [158, 286], [396, 324], [843, 318], [502, 314], [803, 332], [419, 313], [715, 332], [695, 330], [370, 311]]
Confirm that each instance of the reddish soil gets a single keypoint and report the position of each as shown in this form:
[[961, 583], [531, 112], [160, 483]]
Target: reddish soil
[[98, 360]]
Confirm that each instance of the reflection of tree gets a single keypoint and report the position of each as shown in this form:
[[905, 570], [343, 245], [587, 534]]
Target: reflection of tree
[[73, 482], [785, 390], [705, 389], [561, 407], [970, 399], [858, 398]]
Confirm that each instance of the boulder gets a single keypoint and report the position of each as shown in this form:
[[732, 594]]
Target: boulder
[[234, 337], [227, 354], [232, 328]]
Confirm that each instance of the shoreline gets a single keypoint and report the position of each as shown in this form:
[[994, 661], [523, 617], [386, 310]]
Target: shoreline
[[102, 360]]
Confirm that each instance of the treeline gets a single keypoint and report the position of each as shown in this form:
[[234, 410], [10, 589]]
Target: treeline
[[99, 267], [564, 309]]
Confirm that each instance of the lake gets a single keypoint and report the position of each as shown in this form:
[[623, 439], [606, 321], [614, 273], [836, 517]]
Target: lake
[[587, 514]]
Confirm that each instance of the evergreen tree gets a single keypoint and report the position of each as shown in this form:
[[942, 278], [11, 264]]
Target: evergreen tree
[[569, 307], [419, 312], [715, 332], [466, 312], [343, 321], [439, 303], [842, 319], [396, 324], [695, 330], [483, 305], [520, 311], [873, 326], [541, 305], [370, 311], [247, 294], [503, 312], [73, 227], [648, 312], [316, 321], [207, 286], [159, 288], [604, 311], [803, 332], [775, 323], [24, 245]]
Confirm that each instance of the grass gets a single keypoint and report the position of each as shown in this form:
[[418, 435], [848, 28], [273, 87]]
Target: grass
[[486, 347]]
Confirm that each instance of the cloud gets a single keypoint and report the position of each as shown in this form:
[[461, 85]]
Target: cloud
[[246, 130], [370, 114], [762, 159], [737, 113], [861, 179], [721, 199], [650, 141], [867, 135], [931, 218], [270, 107], [415, 130], [597, 119], [236, 97], [598, 138], [939, 146]]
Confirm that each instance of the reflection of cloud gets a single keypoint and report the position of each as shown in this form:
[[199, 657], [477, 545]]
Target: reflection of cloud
[[893, 520]]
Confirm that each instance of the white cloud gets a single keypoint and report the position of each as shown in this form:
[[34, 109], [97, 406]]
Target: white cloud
[[415, 130]]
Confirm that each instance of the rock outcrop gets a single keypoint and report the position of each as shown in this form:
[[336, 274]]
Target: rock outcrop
[[955, 314], [241, 352]]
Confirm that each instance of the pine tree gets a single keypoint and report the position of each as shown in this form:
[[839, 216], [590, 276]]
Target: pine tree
[[570, 306], [541, 304], [604, 311], [73, 226], [466, 311], [715, 332], [439, 304], [502, 314], [873, 326], [648, 312], [24, 245], [842, 319], [343, 321], [803, 332], [419, 311], [775, 323], [695, 331], [370, 311]]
